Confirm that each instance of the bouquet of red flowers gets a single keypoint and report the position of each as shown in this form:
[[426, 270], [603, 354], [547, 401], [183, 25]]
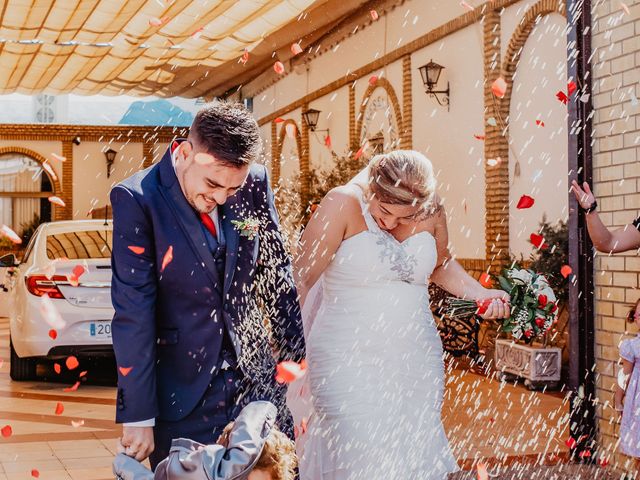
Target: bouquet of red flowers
[[533, 304]]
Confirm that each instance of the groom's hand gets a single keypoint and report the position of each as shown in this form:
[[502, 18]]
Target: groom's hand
[[137, 442]]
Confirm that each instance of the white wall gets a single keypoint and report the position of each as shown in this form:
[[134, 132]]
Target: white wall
[[90, 183], [447, 138], [542, 152]]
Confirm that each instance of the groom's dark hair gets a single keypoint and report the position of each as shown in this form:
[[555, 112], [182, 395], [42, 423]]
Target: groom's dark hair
[[227, 131]]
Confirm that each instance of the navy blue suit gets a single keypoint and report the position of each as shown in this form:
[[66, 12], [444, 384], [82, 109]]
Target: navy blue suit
[[171, 326]]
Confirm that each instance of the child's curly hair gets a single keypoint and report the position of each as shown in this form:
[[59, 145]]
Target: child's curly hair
[[278, 455]]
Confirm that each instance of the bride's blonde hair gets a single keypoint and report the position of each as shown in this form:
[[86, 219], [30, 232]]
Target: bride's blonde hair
[[402, 177]]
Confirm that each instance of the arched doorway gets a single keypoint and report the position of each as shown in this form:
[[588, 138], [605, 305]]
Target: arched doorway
[[25, 187]]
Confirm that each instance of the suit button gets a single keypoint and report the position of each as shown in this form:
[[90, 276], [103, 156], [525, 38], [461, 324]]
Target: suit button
[[120, 407]]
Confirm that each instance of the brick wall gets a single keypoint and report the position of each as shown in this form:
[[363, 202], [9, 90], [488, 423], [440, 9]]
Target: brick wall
[[616, 178]]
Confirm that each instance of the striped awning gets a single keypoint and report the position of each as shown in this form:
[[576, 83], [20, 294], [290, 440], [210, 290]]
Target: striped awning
[[133, 47]]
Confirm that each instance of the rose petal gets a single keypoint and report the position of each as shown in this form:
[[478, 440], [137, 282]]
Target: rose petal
[[125, 370], [77, 424], [57, 368], [279, 120], [53, 334], [51, 314], [373, 79], [6, 431], [538, 241], [482, 472], [83, 374], [136, 250], [72, 388], [374, 15], [288, 371], [245, 57], [571, 87], [57, 201], [467, 6], [5, 231], [327, 141], [540, 123], [485, 280], [49, 170], [35, 473], [499, 87], [562, 97], [278, 67], [167, 259], [525, 202], [479, 137], [565, 271], [72, 362], [59, 409], [296, 49]]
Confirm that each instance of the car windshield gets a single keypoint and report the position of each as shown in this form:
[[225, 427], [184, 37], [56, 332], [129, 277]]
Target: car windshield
[[80, 245]]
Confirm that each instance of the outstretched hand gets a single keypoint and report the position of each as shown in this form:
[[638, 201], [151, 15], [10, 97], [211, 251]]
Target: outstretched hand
[[584, 195]]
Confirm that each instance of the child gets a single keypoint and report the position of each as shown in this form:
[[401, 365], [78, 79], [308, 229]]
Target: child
[[250, 448], [627, 392]]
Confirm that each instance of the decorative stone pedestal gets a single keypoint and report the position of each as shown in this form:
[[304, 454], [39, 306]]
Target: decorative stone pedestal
[[540, 366]]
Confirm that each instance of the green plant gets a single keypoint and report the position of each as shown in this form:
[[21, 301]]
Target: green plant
[[345, 168], [29, 228], [549, 261]]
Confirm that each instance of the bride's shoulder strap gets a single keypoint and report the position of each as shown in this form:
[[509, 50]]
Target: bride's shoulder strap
[[364, 206]]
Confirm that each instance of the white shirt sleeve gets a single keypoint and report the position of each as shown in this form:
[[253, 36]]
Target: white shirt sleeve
[[142, 423]]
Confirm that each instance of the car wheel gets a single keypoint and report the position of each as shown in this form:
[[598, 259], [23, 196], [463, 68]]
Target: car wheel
[[21, 369]]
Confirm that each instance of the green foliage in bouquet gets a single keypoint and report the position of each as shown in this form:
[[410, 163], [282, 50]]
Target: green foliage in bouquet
[[533, 307]]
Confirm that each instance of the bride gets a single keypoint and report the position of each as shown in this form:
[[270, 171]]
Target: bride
[[375, 360]]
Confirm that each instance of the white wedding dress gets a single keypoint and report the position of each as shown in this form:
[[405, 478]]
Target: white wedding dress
[[375, 367]]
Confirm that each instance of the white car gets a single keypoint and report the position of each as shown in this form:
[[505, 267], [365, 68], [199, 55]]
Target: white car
[[60, 295]]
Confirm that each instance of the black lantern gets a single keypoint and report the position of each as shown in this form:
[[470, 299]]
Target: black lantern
[[311, 118], [111, 157], [430, 74]]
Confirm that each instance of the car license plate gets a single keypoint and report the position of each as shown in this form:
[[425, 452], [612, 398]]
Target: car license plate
[[100, 329]]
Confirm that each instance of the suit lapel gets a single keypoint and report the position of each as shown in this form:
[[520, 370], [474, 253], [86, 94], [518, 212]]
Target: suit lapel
[[232, 239], [185, 215]]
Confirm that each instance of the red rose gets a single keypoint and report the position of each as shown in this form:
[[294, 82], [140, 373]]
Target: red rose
[[542, 301], [528, 333], [540, 322], [554, 309]]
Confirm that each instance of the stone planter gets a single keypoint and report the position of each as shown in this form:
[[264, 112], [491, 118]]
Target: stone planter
[[540, 366]]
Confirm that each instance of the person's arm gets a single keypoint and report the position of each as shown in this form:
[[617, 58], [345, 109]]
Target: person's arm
[[278, 290], [622, 383], [450, 276], [321, 239], [133, 293], [604, 240]]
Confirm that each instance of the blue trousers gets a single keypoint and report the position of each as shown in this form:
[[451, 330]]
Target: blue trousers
[[220, 404]]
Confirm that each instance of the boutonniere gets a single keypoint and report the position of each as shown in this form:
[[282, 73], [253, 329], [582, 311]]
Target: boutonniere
[[248, 227]]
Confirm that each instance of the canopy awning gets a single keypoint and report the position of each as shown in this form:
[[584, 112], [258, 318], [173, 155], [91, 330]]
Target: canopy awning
[[148, 47]]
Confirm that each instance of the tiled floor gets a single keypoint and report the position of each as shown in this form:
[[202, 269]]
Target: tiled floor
[[484, 419]]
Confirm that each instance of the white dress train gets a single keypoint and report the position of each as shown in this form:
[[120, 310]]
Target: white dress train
[[372, 397]]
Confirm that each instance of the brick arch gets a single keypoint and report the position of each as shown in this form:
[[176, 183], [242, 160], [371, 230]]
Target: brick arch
[[518, 40], [55, 183], [276, 161], [386, 85]]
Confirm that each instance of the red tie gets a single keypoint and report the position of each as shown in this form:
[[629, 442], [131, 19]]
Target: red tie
[[208, 222]]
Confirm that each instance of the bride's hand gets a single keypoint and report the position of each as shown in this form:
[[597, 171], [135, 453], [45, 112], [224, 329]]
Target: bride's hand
[[499, 306]]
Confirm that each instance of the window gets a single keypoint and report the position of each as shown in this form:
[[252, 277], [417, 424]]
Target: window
[[24, 190], [80, 245]]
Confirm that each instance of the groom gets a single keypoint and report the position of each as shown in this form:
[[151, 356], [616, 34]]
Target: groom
[[196, 248]]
